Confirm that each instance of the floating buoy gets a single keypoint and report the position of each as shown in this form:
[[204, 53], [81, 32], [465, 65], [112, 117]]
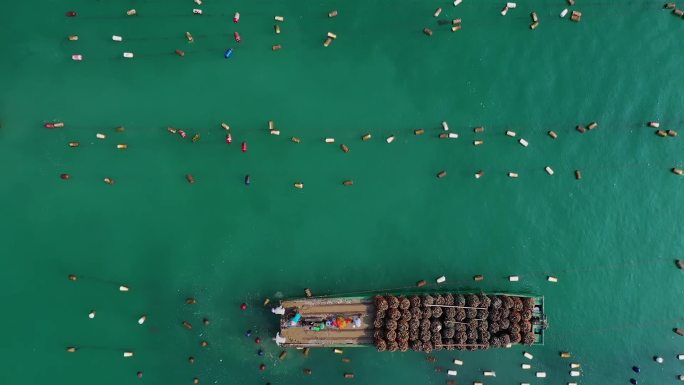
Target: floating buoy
[[330, 140], [549, 170], [71, 349], [142, 319], [427, 31], [478, 129], [140, 374], [243, 147], [457, 2], [276, 28], [117, 38], [228, 53], [438, 11], [123, 288], [236, 17], [563, 13], [299, 185], [100, 135], [513, 174], [540, 374], [343, 147], [576, 16], [180, 53], [678, 12], [71, 14], [307, 372], [91, 315], [332, 13], [120, 129], [441, 174], [534, 17], [348, 182], [504, 11], [282, 355], [198, 2], [658, 359], [72, 277], [489, 373], [338, 351], [552, 279], [131, 12], [453, 135], [279, 18], [77, 57], [419, 131], [236, 35], [366, 137], [479, 174], [332, 35], [679, 264], [187, 325], [456, 22], [327, 41], [196, 380], [511, 5], [308, 293], [441, 279], [421, 283], [510, 133], [275, 132], [571, 2], [188, 36], [458, 362], [526, 366], [581, 129], [204, 344], [197, 11], [680, 357], [109, 181], [478, 277], [528, 355], [295, 139], [478, 142], [128, 354], [553, 134], [578, 174], [74, 144], [574, 373], [456, 28], [390, 139], [122, 146], [349, 375], [669, 6], [72, 37], [190, 178], [592, 125], [534, 25], [513, 278], [565, 354], [661, 133], [451, 372], [191, 360], [277, 47], [679, 331], [671, 133], [444, 135], [654, 124], [523, 142], [229, 138], [445, 126], [248, 180], [267, 301]]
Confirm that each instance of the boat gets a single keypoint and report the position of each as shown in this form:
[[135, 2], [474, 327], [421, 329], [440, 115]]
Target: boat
[[418, 321]]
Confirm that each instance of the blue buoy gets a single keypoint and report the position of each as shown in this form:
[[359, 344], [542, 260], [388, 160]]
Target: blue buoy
[[633, 381], [248, 333], [228, 53], [260, 352], [248, 181], [636, 369]]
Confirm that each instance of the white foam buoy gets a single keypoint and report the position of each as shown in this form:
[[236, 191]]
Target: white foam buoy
[[453, 135], [477, 383], [513, 174], [100, 135], [564, 12], [117, 38], [511, 5], [540, 374], [552, 279], [510, 133], [441, 279], [458, 362], [198, 2], [390, 139], [128, 55], [504, 11], [574, 373], [513, 278], [523, 142], [445, 126], [527, 355], [128, 354], [490, 373], [275, 132], [330, 140], [142, 319], [680, 357], [549, 170], [526, 366], [574, 365], [197, 11], [658, 359], [452, 372], [457, 2], [123, 288], [76, 57], [91, 315], [572, 383]]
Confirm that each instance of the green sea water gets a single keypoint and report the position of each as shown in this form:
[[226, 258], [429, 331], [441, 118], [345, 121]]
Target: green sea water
[[610, 238]]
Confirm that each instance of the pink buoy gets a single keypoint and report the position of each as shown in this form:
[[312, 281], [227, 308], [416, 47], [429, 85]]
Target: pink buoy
[[243, 306], [236, 17], [182, 133], [237, 37], [244, 149], [77, 57], [229, 139], [71, 14]]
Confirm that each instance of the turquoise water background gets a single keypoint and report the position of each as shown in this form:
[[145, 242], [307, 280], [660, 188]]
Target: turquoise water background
[[610, 238]]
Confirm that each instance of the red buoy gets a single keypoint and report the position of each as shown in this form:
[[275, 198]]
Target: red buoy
[[237, 37], [182, 133], [229, 139], [257, 340], [49, 125], [236, 17], [71, 14], [243, 306], [65, 176], [244, 146]]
